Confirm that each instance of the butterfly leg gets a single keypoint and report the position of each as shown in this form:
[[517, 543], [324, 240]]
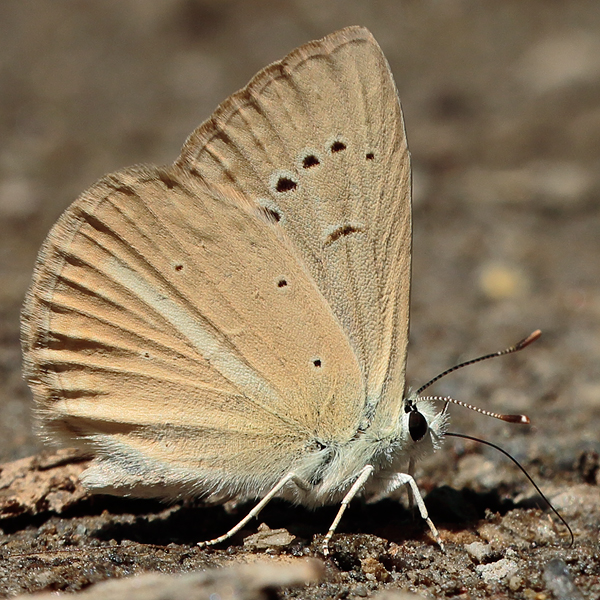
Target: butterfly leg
[[409, 494], [256, 510], [356, 487], [400, 479]]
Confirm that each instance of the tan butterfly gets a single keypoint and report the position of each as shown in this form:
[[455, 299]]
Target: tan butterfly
[[235, 325]]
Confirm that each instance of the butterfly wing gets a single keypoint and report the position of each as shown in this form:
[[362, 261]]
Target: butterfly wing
[[317, 140], [184, 323], [173, 331]]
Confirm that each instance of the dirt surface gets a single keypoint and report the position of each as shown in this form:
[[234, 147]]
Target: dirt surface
[[502, 108]]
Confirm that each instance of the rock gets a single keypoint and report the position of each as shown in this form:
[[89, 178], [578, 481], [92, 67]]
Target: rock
[[479, 551], [245, 582], [497, 571], [268, 538], [560, 581]]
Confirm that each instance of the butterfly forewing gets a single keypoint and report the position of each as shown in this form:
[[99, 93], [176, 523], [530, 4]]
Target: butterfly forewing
[[318, 141]]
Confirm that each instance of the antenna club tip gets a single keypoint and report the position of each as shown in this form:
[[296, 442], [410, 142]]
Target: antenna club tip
[[521, 419], [532, 337]]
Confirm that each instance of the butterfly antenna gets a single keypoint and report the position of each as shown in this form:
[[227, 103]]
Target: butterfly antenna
[[533, 483], [532, 337], [523, 419]]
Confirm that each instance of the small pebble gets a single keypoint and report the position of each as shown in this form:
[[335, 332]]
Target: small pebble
[[560, 582], [267, 538], [498, 570], [374, 570], [515, 583], [479, 551]]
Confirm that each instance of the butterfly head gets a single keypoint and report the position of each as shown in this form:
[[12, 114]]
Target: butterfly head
[[423, 423]]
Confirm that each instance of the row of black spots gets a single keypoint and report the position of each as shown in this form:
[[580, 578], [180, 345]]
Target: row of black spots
[[339, 146], [286, 183], [310, 160]]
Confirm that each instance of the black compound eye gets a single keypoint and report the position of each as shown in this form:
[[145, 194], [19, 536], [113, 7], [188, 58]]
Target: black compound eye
[[417, 425]]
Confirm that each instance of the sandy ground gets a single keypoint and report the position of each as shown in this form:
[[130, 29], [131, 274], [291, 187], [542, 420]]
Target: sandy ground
[[502, 109]]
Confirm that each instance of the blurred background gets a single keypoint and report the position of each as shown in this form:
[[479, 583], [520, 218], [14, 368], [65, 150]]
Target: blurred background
[[502, 109]]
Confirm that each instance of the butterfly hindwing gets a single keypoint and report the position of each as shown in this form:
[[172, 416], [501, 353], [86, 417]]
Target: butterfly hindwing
[[168, 326]]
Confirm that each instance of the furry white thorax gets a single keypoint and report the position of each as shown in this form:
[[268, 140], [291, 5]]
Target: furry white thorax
[[332, 470]]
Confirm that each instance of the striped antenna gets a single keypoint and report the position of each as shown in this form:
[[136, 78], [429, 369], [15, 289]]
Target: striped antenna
[[532, 337]]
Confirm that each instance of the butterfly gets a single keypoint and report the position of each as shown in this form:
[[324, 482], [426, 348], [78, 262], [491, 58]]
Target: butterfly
[[235, 325]]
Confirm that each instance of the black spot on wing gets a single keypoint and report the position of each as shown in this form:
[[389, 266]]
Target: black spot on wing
[[285, 184], [337, 147], [340, 232], [310, 161]]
